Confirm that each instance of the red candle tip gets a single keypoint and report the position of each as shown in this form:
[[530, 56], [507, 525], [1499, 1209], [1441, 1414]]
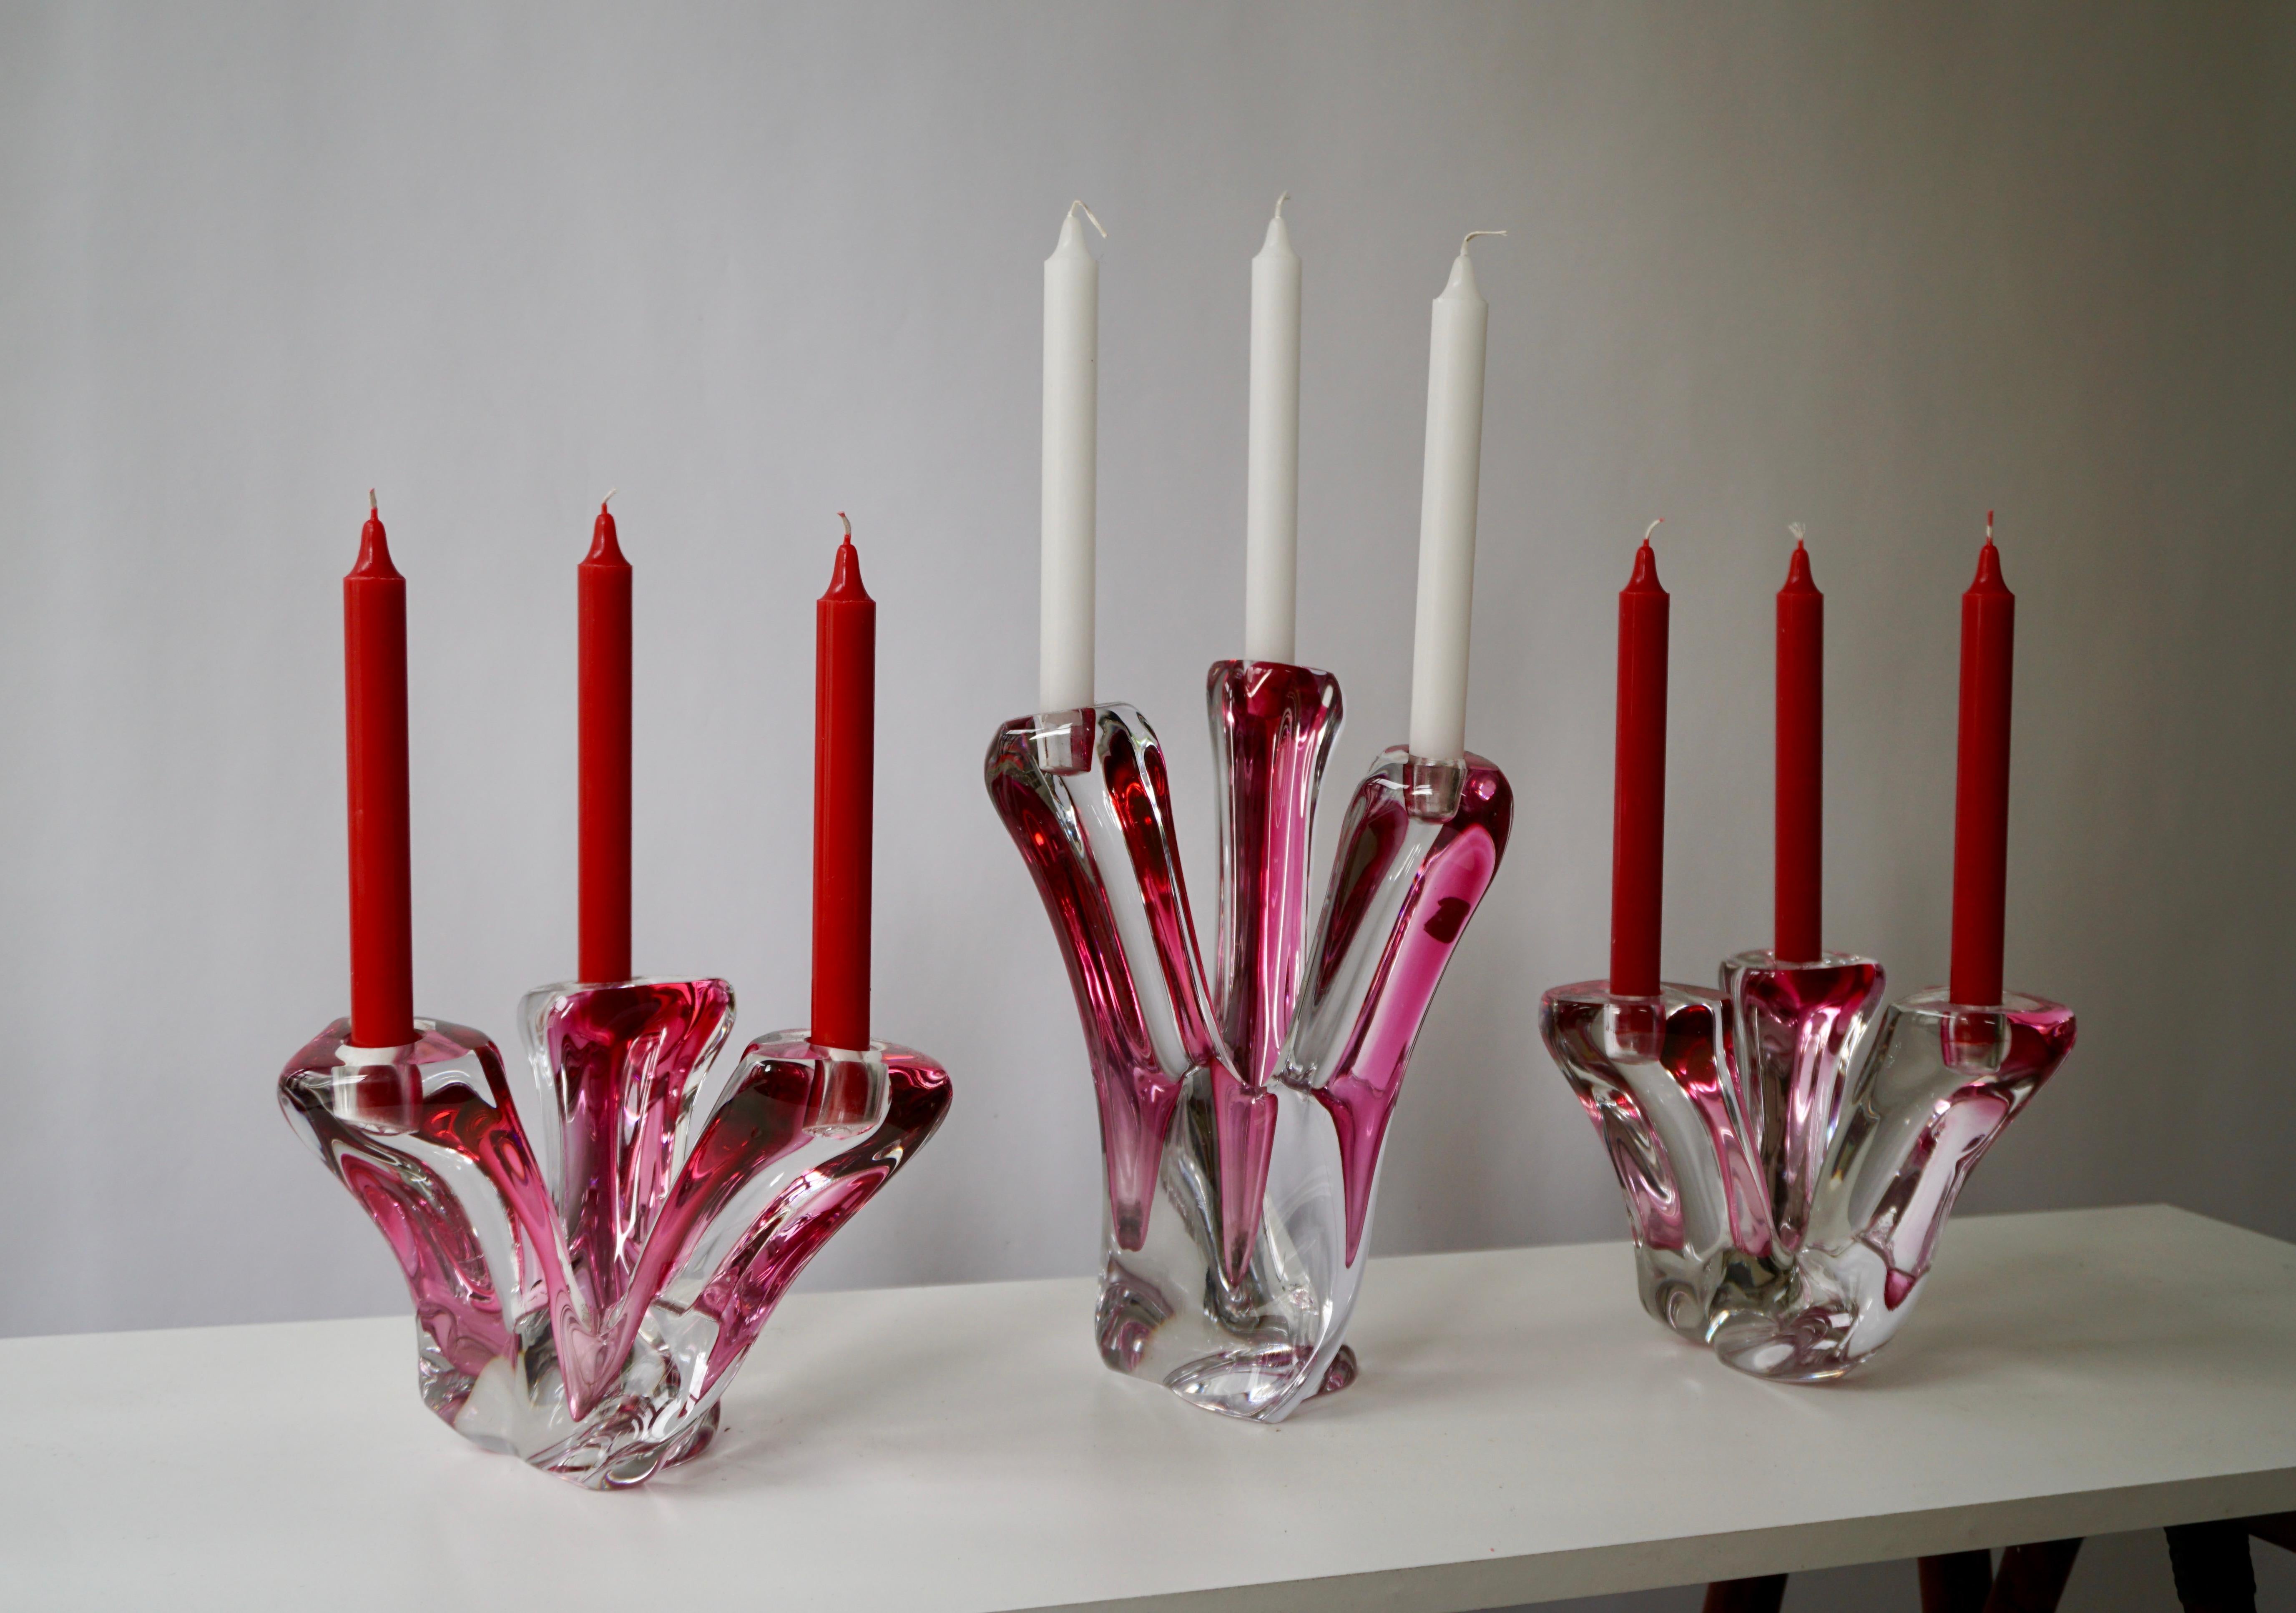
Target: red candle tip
[[605, 541], [374, 550], [844, 575], [1798, 577], [1646, 578], [1989, 579]]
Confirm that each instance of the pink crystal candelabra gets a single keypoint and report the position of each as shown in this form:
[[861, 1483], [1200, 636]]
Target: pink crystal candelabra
[[1787, 1161], [592, 1247], [1242, 1111]]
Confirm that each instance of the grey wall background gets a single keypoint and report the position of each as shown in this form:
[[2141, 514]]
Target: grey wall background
[[1875, 269]]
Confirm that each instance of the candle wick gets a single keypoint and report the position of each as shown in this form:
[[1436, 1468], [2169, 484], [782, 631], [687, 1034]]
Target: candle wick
[[1795, 528], [375, 509], [1280, 201], [1088, 213], [1471, 234], [1989, 526], [607, 500], [849, 525], [1653, 526]]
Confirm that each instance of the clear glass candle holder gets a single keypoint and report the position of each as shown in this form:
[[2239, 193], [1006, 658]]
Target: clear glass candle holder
[[592, 1243], [1244, 1109], [1938, 1084], [1788, 1156]]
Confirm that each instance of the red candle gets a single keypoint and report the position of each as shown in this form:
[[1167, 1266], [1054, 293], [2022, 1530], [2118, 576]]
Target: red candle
[[374, 711], [1801, 753], [1638, 820], [603, 613], [844, 773], [1980, 805]]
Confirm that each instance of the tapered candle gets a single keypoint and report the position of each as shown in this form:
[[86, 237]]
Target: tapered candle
[[1449, 481], [1981, 808], [374, 712], [602, 610], [1271, 497], [1800, 862], [1638, 800], [1072, 449], [844, 782]]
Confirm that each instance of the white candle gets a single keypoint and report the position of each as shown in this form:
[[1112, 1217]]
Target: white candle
[[1064, 674], [1446, 514], [1271, 495]]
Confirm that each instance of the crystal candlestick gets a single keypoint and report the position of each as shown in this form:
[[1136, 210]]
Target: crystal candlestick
[[1242, 1109], [1788, 1164], [593, 1246]]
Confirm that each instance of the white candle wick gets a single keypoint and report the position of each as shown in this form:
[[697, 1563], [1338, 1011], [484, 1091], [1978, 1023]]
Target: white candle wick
[[1471, 234], [1797, 530], [1653, 526], [1078, 205], [607, 500], [1280, 201], [849, 525]]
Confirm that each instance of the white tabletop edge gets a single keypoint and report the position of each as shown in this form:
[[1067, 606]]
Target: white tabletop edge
[[1467, 1587]]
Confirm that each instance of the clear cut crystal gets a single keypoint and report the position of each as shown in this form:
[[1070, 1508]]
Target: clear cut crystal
[[591, 1249], [1243, 1108]]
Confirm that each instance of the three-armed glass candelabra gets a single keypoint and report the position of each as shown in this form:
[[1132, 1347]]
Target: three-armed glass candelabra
[[1243, 1108], [1789, 1149], [594, 1241]]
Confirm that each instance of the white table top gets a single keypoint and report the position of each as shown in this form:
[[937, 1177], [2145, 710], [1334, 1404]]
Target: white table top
[[1520, 1432]]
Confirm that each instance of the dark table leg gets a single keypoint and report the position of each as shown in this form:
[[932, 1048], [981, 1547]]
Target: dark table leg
[[2278, 1528], [1760, 1595], [2032, 1578], [1956, 1582], [2210, 1562]]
